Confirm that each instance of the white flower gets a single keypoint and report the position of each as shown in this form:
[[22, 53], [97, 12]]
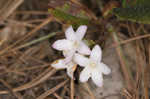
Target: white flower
[[72, 43], [60, 64], [94, 68]]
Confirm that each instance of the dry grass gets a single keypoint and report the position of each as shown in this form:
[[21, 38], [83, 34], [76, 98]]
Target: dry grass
[[27, 31]]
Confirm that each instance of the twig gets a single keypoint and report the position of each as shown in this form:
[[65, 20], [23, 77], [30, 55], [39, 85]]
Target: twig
[[9, 7], [32, 12], [57, 96], [124, 66], [41, 78], [72, 88], [52, 90], [34, 21], [131, 39], [17, 95], [139, 62], [89, 91], [36, 41], [23, 23], [145, 80], [26, 36]]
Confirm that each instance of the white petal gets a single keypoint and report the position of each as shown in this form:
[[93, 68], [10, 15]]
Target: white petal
[[96, 53], [97, 78], [70, 34], [62, 45], [81, 32], [65, 53], [104, 69], [85, 74], [68, 55], [84, 49], [70, 69], [68, 59], [81, 60], [59, 64]]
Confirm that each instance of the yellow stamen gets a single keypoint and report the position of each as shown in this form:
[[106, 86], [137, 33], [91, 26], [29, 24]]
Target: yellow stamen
[[92, 64]]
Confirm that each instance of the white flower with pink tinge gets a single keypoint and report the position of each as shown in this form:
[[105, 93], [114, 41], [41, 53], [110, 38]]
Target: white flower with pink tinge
[[73, 43], [60, 64], [93, 67]]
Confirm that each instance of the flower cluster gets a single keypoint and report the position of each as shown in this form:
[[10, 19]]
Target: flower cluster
[[74, 51]]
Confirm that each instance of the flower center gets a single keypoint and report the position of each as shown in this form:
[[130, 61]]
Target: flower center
[[65, 52], [76, 44], [92, 64]]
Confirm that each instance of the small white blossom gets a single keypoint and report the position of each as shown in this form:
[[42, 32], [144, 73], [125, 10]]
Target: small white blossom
[[93, 67], [60, 64], [73, 43]]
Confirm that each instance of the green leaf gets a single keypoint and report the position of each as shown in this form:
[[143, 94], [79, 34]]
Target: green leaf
[[140, 14], [142, 3], [69, 19], [69, 7], [124, 3], [69, 12], [133, 3]]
